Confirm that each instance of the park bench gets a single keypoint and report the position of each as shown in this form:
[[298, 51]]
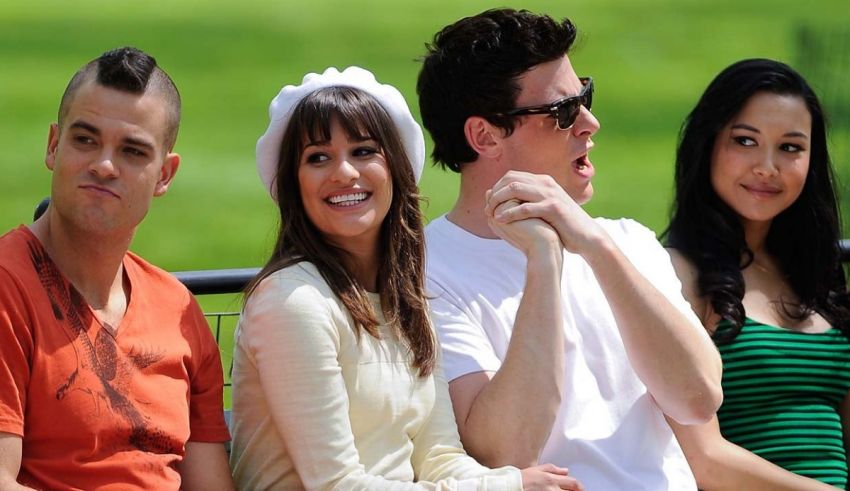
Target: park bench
[[223, 281]]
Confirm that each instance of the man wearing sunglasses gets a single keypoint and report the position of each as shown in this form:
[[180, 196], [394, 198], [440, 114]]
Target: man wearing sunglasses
[[565, 338]]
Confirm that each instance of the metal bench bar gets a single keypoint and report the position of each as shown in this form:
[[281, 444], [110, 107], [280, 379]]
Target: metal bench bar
[[214, 281]]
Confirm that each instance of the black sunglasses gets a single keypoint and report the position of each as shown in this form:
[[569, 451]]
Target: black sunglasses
[[565, 111]]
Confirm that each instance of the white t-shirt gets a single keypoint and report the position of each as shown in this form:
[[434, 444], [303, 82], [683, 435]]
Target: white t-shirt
[[609, 432]]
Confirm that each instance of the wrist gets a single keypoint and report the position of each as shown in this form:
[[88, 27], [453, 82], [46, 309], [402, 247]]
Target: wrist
[[599, 250], [546, 255]]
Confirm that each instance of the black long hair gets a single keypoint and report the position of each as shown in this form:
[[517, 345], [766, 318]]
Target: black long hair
[[803, 238]]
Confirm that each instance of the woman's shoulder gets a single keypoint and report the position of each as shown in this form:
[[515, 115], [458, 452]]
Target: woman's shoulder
[[688, 274], [296, 295], [301, 283], [293, 276], [685, 268]]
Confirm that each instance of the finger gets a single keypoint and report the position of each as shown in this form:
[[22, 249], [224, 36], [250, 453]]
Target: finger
[[488, 209], [511, 185], [552, 468], [570, 483], [513, 177], [536, 180], [505, 206], [491, 205], [500, 233], [520, 211], [524, 191]]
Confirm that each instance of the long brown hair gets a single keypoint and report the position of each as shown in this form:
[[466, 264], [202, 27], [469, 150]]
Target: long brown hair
[[402, 262]]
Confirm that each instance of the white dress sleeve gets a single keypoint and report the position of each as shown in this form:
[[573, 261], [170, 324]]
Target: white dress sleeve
[[439, 456], [290, 329]]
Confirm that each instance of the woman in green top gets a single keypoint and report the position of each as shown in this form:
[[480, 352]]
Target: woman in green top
[[754, 237]]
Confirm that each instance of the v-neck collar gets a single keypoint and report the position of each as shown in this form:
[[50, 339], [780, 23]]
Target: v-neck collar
[[128, 271]]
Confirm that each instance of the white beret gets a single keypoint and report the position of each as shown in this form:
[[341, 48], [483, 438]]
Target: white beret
[[282, 106]]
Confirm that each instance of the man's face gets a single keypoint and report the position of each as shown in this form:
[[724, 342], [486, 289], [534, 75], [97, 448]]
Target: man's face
[[108, 159], [538, 146]]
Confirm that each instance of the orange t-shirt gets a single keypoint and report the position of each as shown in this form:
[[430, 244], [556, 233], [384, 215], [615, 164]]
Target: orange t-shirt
[[97, 408]]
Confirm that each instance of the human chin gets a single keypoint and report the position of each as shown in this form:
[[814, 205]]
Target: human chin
[[352, 224], [581, 193], [586, 195], [579, 188]]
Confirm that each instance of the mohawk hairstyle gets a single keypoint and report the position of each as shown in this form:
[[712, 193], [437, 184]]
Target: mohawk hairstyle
[[128, 70]]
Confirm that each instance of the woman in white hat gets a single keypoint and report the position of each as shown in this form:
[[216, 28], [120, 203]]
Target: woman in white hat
[[336, 382]]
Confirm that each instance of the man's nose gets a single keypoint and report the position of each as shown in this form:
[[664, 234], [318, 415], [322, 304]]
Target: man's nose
[[104, 165], [586, 124]]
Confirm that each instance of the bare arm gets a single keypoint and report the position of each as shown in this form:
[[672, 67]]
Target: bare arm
[[720, 465], [10, 462], [717, 463], [679, 364], [291, 334], [434, 460], [205, 467], [675, 360], [485, 401]]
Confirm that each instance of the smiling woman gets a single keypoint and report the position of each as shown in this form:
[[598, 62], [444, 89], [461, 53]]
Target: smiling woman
[[754, 238], [346, 189], [336, 383], [761, 157]]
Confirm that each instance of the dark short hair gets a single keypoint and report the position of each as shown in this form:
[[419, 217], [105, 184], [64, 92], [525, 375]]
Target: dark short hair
[[471, 69], [803, 238], [128, 70]]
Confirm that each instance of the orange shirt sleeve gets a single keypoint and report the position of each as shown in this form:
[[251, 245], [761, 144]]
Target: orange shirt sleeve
[[206, 409], [16, 348]]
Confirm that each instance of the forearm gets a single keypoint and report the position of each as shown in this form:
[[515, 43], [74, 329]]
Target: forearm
[[679, 366], [205, 467], [9, 484], [10, 462], [523, 397], [720, 465], [740, 469]]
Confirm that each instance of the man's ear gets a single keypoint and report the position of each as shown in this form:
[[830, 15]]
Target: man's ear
[[52, 145], [483, 137], [166, 173]]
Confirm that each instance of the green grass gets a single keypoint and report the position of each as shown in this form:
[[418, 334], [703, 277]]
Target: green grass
[[650, 61]]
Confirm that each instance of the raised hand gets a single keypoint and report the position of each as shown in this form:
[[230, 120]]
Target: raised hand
[[528, 235], [538, 196]]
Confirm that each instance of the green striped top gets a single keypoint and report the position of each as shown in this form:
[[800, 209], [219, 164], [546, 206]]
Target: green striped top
[[782, 390]]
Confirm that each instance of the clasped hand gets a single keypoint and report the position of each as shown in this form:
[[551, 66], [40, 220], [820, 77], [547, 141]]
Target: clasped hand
[[527, 209]]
